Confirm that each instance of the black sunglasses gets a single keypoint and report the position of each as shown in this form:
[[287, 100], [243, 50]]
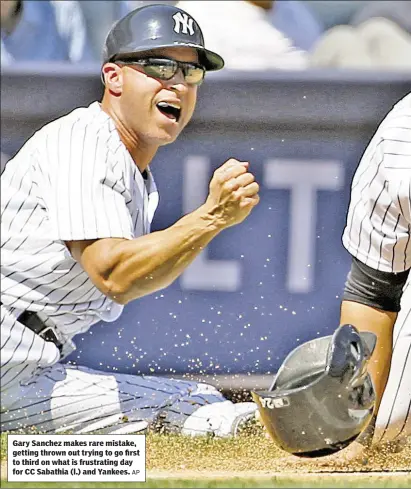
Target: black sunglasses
[[166, 68]]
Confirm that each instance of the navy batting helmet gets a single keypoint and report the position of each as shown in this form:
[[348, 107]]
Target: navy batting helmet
[[158, 26], [322, 397]]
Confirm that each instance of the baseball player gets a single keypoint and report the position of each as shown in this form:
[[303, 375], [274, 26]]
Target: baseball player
[[77, 202], [377, 294], [323, 390]]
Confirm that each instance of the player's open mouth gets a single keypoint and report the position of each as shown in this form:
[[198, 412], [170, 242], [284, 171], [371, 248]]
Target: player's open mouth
[[172, 111]]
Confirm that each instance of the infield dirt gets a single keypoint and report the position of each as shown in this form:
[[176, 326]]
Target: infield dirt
[[257, 454], [257, 458]]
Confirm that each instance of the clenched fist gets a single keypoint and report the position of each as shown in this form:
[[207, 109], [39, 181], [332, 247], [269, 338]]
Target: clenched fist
[[233, 193]]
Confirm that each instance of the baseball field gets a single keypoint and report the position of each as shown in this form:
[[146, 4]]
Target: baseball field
[[248, 461]]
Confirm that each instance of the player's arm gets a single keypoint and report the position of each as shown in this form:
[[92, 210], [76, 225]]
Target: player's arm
[[371, 302], [128, 269]]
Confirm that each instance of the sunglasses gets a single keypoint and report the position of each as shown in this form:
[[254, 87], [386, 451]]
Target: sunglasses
[[166, 69]]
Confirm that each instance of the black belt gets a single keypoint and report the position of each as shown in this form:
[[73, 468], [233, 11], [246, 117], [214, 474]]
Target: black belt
[[33, 321]]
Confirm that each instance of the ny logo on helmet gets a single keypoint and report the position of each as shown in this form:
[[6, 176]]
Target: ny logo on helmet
[[182, 22]]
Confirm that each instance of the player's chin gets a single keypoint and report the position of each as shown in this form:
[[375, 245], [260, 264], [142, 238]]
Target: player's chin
[[169, 135]]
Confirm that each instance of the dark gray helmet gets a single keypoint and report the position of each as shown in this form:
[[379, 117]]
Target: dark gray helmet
[[322, 397], [158, 26]]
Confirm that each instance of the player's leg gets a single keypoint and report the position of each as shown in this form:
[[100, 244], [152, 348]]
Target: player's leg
[[81, 400], [393, 421]]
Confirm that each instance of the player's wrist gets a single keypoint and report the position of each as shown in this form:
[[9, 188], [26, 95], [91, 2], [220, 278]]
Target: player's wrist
[[210, 216]]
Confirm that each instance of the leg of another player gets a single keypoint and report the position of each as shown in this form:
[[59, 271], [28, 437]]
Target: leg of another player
[[80, 400]]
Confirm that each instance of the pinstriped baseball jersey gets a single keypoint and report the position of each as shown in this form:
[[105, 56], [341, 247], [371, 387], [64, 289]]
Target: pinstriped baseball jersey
[[379, 218], [73, 180], [378, 233]]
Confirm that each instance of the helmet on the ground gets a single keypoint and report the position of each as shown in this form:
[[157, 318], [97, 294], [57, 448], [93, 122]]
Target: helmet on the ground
[[158, 26], [322, 397]]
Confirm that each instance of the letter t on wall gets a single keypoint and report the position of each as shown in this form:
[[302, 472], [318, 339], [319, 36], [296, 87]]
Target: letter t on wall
[[303, 178]]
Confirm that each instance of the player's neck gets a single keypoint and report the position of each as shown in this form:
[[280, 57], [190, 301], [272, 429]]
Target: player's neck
[[141, 153]]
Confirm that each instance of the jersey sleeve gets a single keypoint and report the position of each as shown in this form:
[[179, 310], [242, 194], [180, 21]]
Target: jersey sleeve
[[84, 185], [378, 221]]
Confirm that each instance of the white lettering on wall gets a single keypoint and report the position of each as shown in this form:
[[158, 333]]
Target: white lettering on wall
[[303, 178]]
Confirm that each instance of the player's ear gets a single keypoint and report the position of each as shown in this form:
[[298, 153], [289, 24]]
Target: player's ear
[[113, 78]]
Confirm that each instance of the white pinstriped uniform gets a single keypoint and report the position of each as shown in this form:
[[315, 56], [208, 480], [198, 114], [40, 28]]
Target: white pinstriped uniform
[[378, 233], [75, 180]]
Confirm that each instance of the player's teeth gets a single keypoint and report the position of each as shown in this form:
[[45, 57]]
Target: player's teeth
[[165, 104]]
